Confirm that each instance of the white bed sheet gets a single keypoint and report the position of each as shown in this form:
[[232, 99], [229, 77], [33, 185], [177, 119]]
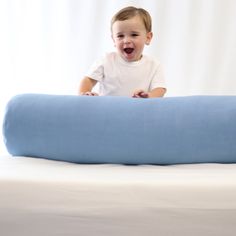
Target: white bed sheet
[[40, 197]]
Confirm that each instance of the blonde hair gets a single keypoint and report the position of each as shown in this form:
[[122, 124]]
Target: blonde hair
[[129, 12]]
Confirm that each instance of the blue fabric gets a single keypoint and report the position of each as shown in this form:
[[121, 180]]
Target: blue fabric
[[171, 130]]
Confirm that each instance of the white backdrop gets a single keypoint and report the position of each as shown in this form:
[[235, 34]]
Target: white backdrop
[[47, 45]]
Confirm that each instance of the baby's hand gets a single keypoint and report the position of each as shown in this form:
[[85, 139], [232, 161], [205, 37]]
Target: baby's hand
[[140, 94], [89, 94]]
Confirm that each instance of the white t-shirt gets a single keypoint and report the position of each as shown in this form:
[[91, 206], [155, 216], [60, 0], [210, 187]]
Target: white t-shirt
[[118, 77]]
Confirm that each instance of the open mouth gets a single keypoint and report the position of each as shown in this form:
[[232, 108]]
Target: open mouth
[[128, 50]]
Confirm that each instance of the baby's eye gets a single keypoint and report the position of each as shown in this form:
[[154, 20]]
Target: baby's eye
[[134, 35], [120, 36]]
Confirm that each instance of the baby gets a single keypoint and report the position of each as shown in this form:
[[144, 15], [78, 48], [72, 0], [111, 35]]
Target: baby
[[127, 72]]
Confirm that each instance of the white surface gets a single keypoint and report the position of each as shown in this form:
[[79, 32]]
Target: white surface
[[43, 197]]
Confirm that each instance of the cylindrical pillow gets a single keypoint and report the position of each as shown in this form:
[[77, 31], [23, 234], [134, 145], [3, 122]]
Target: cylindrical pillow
[[82, 129]]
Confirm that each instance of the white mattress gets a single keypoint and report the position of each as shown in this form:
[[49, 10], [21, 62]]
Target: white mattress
[[46, 198]]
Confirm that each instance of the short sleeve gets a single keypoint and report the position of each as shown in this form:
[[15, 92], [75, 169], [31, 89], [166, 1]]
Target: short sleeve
[[158, 80], [96, 71]]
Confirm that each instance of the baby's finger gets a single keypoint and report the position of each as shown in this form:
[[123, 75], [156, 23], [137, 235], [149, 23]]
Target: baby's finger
[[143, 95], [94, 94], [136, 96]]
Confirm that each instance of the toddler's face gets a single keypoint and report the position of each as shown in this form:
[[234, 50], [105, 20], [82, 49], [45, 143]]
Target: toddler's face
[[129, 37]]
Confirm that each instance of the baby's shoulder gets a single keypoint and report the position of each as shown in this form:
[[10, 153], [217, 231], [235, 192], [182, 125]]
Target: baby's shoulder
[[151, 60]]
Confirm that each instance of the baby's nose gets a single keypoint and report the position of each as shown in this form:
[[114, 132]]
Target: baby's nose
[[127, 39]]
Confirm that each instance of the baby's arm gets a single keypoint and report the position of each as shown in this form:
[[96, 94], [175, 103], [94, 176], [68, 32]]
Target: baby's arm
[[86, 86], [156, 92]]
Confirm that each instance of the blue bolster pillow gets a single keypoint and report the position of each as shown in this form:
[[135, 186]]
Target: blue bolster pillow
[[82, 129]]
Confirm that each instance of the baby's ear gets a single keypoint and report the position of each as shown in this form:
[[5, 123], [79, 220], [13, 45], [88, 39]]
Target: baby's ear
[[149, 37]]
